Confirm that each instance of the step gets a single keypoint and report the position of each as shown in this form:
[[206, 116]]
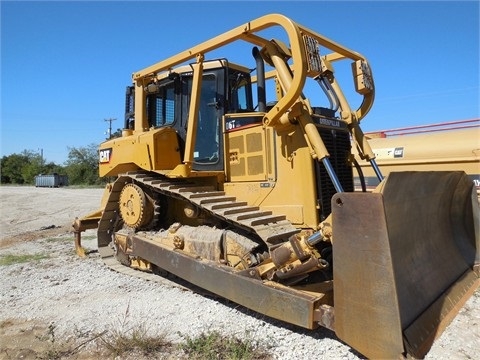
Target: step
[[264, 220], [240, 209], [213, 199], [227, 205], [207, 194], [196, 189], [253, 215]]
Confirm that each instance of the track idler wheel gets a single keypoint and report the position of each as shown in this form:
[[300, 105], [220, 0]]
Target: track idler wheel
[[136, 208]]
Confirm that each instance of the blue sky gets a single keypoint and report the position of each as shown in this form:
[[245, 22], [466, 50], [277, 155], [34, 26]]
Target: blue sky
[[65, 65]]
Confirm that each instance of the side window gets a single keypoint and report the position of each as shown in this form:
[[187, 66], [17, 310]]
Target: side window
[[161, 106], [242, 97], [240, 92]]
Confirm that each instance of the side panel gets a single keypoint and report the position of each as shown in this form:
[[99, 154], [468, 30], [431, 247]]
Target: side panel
[[155, 150], [295, 191], [166, 149], [246, 150], [271, 170]]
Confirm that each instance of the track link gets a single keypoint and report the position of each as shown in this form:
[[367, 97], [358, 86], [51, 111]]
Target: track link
[[269, 227]]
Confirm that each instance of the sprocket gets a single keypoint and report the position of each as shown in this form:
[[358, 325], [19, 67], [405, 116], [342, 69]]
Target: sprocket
[[136, 208]]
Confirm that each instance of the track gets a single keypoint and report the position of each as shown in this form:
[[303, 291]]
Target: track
[[269, 227]]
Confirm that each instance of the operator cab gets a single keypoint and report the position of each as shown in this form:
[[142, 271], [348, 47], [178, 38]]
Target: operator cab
[[226, 88]]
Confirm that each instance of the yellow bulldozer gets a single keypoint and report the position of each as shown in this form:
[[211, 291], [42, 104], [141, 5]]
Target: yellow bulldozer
[[228, 176]]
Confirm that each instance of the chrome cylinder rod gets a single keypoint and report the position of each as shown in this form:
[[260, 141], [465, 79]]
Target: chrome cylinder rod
[[332, 174], [376, 169]]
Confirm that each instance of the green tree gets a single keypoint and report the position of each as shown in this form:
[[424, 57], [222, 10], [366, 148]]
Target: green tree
[[117, 133], [82, 165], [22, 168], [51, 168], [12, 166], [32, 167]]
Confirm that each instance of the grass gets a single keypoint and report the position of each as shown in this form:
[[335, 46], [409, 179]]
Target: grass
[[11, 259], [137, 342], [127, 338], [137, 339], [213, 346]]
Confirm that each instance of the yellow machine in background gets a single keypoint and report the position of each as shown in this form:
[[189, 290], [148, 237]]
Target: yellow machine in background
[[453, 146], [254, 200]]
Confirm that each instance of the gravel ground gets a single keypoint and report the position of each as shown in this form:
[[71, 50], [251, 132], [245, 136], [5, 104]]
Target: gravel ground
[[80, 297]]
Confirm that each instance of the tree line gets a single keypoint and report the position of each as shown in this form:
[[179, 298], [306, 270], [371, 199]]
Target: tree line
[[81, 167]]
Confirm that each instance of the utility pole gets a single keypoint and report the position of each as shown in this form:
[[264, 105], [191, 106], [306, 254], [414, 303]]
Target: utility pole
[[41, 157], [109, 127]]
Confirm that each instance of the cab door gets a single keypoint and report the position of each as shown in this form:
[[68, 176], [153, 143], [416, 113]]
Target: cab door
[[207, 153]]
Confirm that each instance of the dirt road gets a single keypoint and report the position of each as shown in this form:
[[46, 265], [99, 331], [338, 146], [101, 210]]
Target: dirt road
[[29, 208], [79, 298]]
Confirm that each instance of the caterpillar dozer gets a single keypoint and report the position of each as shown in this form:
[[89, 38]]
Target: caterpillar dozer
[[230, 177]]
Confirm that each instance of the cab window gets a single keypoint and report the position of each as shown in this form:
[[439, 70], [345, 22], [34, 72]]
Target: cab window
[[161, 105]]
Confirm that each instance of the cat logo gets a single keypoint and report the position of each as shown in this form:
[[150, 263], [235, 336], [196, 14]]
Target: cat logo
[[398, 152], [105, 155]]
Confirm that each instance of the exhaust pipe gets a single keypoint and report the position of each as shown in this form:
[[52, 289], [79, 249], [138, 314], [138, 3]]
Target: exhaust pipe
[[261, 94]]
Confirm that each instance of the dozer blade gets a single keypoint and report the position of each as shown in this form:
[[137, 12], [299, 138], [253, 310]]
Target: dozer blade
[[405, 260]]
